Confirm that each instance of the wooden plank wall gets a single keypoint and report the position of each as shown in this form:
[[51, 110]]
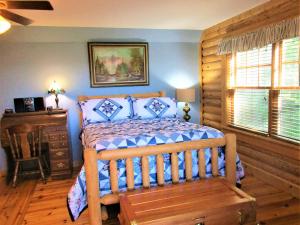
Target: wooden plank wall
[[276, 162]]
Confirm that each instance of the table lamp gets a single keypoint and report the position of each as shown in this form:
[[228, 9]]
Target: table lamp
[[186, 95], [55, 89], [4, 24]]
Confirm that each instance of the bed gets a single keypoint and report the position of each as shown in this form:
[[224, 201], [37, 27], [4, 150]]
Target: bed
[[132, 153]]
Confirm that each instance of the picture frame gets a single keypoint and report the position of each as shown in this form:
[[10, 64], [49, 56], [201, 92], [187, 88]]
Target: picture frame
[[118, 64]]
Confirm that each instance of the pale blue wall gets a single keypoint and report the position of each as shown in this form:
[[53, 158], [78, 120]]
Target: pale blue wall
[[31, 58]]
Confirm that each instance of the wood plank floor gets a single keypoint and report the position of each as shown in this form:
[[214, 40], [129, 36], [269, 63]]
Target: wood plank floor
[[34, 203]]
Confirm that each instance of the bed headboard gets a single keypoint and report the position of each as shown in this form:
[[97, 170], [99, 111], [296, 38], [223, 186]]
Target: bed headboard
[[139, 95]]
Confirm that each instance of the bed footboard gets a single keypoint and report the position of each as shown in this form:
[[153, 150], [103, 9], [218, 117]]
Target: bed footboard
[[91, 157]]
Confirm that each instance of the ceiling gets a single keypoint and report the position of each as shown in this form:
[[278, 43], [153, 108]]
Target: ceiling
[[152, 14]]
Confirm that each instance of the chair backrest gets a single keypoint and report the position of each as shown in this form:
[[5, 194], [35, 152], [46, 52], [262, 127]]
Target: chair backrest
[[25, 140]]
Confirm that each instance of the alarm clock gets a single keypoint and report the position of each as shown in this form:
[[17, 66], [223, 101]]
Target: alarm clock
[[8, 111]]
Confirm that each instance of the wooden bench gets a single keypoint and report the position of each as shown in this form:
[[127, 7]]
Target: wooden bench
[[204, 202]]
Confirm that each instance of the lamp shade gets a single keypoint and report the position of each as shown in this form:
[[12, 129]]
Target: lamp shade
[[55, 89], [185, 95], [4, 25]]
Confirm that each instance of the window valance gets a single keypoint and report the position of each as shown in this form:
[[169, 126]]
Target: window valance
[[270, 34]]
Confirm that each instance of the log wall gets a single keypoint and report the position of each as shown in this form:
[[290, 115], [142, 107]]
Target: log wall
[[275, 161]]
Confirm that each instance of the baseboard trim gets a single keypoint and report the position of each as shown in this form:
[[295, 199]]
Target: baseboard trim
[[273, 180]]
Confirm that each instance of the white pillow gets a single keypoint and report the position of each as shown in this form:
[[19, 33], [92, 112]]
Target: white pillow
[[105, 109], [160, 107]]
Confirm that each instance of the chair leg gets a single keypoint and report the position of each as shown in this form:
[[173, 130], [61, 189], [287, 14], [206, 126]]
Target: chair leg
[[41, 170], [16, 173], [46, 163]]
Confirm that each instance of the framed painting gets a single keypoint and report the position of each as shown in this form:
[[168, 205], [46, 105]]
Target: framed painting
[[118, 64]]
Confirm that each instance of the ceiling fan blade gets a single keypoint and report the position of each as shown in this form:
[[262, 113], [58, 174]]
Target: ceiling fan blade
[[15, 17], [35, 5]]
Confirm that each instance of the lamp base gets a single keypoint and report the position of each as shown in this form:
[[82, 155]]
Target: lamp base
[[56, 101], [186, 110]]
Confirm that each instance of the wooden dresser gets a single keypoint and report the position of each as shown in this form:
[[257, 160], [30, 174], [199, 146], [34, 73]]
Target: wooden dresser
[[55, 135]]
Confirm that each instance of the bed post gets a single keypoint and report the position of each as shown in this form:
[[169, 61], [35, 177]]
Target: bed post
[[92, 183], [230, 158], [162, 94]]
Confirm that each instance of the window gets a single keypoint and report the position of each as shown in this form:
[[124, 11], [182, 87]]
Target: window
[[289, 55], [264, 90]]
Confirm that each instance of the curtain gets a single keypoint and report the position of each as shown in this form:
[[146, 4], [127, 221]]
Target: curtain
[[270, 34]]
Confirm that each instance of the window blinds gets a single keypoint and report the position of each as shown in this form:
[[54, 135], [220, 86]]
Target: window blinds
[[286, 114], [251, 109], [264, 92], [286, 103], [254, 67], [249, 104], [290, 63]]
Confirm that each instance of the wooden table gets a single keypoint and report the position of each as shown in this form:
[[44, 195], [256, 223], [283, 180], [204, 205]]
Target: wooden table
[[205, 202]]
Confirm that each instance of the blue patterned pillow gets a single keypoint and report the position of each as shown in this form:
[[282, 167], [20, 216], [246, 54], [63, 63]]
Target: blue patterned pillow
[[146, 108], [106, 109]]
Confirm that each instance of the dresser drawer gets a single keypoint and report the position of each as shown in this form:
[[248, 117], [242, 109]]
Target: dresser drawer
[[55, 128], [63, 136], [53, 137], [58, 136], [58, 144], [60, 164], [61, 153]]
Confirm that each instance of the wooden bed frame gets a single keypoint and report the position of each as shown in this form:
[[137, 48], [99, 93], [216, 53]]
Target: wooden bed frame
[[91, 157]]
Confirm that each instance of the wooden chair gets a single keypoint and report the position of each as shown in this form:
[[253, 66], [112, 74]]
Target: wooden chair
[[25, 144]]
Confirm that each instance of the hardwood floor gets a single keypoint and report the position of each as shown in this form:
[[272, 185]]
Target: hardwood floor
[[34, 203]]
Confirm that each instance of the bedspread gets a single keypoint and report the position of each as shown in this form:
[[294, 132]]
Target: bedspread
[[132, 133]]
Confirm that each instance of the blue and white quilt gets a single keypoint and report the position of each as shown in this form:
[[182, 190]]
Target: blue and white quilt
[[132, 133]]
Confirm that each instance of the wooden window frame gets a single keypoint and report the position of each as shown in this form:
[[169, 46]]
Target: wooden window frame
[[274, 91]]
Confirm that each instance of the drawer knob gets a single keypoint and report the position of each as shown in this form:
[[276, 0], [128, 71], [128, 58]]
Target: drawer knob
[[200, 221], [59, 153], [60, 165], [241, 217]]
